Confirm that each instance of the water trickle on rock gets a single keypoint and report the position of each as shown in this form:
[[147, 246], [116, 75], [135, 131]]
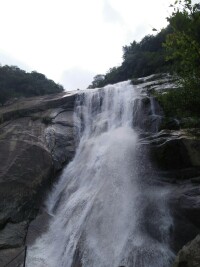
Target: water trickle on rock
[[106, 209]]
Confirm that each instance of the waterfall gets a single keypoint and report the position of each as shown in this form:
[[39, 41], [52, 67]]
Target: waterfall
[[107, 209]]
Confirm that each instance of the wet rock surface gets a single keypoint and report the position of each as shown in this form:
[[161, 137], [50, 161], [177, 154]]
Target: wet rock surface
[[148, 114]]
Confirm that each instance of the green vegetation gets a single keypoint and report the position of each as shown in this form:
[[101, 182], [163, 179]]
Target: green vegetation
[[139, 59], [183, 45], [15, 82], [183, 48], [181, 102]]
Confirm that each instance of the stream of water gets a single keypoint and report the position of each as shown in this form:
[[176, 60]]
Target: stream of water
[[106, 209]]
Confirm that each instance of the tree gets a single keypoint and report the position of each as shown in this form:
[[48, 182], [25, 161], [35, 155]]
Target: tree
[[183, 45], [97, 81], [183, 50], [15, 82]]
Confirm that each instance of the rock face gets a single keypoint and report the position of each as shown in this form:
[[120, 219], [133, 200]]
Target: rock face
[[36, 139], [185, 208], [176, 156], [147, 114], [189, 255], [13, 235], [175, 150], [7, 256]]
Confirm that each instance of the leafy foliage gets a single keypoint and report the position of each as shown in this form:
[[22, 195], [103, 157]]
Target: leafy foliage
[[15, 82], [180, 102], [183, 45], [98, 81]]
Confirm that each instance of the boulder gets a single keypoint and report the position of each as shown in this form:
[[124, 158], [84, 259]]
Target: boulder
[[189, 255]]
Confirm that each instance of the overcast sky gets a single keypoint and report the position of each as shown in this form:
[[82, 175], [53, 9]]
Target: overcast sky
[[70, 41]]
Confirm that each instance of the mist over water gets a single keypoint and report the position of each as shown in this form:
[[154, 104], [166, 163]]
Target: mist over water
[[106, 209]]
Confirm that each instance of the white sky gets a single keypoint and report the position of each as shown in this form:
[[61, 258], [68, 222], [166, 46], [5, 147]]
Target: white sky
[[70, 41]]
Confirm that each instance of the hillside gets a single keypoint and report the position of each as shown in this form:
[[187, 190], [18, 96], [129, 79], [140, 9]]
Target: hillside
[[15, 82]]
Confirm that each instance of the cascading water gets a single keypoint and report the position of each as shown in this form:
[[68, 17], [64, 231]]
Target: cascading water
[[106, 210]]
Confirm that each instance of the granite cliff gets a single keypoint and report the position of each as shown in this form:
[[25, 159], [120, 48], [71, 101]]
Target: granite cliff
[[36, 140]]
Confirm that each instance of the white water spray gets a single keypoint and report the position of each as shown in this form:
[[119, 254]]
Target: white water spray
[[105, 214]]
